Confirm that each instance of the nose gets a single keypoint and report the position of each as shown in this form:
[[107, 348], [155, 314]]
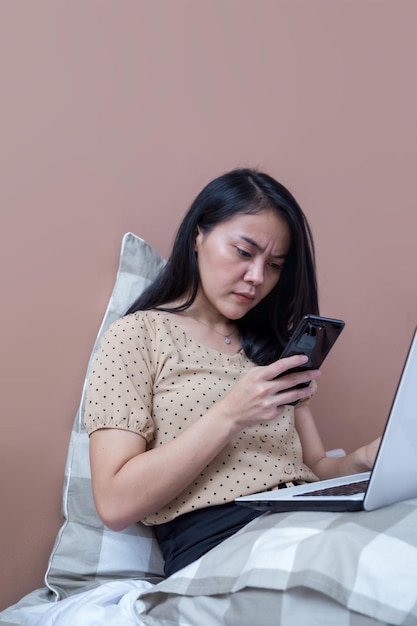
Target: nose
[[255, 273]]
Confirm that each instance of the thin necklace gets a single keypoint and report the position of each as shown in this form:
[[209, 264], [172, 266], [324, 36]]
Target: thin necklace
[[226, 338]]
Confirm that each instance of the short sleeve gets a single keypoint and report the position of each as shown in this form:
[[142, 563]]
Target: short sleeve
[[119, 390]]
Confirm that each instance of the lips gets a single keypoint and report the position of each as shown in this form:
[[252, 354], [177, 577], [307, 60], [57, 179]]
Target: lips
[[245, 297]]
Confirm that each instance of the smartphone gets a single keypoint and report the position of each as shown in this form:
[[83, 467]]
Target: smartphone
[[314, 337]]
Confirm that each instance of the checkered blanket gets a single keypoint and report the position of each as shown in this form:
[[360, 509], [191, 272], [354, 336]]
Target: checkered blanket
[[296, 569]]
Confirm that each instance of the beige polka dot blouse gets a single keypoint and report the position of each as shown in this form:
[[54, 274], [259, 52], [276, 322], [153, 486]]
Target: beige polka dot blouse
[[151, 378]]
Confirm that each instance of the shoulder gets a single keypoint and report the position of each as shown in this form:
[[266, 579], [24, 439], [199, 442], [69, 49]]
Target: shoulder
[[132, 324], [143, 327]]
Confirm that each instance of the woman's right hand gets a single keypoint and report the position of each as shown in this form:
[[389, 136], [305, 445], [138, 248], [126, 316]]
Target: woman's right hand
[[262, 393]]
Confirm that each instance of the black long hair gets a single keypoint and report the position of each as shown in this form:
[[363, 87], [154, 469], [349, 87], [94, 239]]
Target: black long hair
[[265, 329]]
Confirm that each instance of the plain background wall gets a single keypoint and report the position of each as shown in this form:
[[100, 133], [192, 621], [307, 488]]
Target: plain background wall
[[114, 113]]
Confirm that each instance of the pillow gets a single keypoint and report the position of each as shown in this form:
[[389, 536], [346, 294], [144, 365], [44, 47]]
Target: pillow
[[86, 553]]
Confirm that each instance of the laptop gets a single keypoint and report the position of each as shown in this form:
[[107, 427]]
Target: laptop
[[394, 475]]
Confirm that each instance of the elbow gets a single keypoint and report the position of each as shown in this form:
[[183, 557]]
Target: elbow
[[114, 523], [112, 517]]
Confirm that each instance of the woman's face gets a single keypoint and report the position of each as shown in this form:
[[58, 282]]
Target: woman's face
[[240, 262]]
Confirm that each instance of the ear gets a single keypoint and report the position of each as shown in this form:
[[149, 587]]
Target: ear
[[198, 237]]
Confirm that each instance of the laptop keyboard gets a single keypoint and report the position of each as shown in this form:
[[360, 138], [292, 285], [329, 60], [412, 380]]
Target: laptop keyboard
[[339, 490]]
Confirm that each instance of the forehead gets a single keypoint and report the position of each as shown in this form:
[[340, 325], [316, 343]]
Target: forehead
[[266, 229]]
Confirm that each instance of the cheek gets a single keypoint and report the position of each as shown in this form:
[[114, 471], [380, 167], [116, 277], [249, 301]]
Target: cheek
[[212, 268]]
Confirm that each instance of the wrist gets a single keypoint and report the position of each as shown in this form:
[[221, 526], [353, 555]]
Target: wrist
[[226, 420], [359, 461], [223, 422]]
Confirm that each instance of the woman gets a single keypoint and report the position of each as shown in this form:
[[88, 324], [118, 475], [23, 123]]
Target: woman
[[189, 405]]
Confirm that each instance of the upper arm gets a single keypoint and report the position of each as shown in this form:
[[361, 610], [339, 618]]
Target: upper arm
[[119, 391], [110, 450]]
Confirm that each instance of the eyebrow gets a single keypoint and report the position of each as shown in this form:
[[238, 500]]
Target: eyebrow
[[256, 245]]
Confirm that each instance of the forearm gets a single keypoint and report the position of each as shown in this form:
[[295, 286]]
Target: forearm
[[142, 482], [353, 463], [314, 454]]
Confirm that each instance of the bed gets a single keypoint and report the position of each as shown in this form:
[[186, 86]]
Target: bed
[[353, 569]]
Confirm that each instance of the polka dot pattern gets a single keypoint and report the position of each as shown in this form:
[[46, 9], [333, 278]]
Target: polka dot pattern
[[151, 378]]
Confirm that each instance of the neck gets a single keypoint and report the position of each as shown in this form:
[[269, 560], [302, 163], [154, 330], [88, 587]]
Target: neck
[[222, 326]]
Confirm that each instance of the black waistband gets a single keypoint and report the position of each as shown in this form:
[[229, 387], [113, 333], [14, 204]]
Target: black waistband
[[189, 536]]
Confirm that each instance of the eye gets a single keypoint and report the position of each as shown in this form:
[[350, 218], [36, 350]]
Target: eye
[[243, 253], [277, 267]]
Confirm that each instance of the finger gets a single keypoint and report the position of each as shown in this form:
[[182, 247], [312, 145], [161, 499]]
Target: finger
[[283, 365], [312, 388], [288, 381], [293, 396]]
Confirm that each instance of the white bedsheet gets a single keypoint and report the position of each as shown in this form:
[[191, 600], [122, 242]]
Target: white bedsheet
[[111, 604]]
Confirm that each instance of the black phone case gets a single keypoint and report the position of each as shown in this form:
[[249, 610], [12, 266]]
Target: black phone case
[[314, 337]]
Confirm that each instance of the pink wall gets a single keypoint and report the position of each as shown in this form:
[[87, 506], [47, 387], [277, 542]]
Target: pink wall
[[113, 115]]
